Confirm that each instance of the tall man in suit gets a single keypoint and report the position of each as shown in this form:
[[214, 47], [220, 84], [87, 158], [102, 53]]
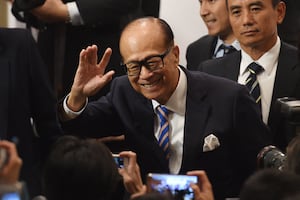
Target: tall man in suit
[[213, 124], [220, 40], [27, 103], [255, 25]]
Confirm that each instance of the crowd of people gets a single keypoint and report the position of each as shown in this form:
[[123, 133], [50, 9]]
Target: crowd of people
[[209, 119]]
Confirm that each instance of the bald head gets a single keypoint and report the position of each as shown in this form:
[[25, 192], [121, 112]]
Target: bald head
[[147, 29]]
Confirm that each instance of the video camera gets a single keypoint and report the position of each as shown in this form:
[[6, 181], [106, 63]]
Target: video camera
[[290, 110]]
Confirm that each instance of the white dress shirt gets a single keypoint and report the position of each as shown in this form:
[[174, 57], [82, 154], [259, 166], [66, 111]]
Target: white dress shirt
[[266, 79], [177, 105]]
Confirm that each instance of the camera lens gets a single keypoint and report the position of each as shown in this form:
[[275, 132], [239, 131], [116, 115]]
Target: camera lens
[[271, 157]]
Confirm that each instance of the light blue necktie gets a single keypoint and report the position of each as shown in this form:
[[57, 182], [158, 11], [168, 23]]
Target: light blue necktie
[[163, 139]]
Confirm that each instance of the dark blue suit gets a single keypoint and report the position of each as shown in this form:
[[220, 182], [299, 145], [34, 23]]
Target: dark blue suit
[[26, 94], [213, 106], [287, 83]]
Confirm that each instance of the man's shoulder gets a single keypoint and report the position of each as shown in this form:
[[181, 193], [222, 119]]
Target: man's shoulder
[[231, 59], [203, 41]]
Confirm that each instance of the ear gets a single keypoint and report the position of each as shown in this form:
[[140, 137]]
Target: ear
[[281, 10], [175, 52]]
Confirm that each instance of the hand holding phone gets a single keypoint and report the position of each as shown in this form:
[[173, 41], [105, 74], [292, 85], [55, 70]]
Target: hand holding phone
[[131, 174]]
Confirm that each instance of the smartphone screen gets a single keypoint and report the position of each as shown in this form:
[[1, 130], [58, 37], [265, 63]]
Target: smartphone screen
[[176, 185], [118, 160], [11, 196]]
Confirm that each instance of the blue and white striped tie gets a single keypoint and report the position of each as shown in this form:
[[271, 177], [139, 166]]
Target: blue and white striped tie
[[163, 139]]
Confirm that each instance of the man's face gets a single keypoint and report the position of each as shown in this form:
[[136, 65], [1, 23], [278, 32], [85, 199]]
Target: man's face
[[254, 22], [143, 42], [215, 16]]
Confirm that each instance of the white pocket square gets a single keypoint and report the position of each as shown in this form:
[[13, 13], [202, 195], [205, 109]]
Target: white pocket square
[[211, 142]]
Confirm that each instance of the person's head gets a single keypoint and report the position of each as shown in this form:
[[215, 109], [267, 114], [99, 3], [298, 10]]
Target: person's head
[[80, 169], [292, 162], [154, 196], [254, 22], [215, 16], [271, 184], [151, 58]]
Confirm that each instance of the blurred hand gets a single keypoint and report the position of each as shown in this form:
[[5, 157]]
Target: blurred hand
[[131, 175], [52, 11], [9, 174], [203, 189], [90, 76]]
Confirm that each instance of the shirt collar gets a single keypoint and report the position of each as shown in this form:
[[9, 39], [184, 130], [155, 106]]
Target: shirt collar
[[268, 60], [177, 101], [235, 44]]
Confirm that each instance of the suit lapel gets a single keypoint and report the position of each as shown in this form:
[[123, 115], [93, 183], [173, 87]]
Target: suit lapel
[[287, 73], [287, 78], [231, 65], [4, 85], [195, 104]]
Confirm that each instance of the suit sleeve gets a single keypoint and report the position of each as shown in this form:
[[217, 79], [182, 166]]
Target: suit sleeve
[[105, 12], [42, 100]]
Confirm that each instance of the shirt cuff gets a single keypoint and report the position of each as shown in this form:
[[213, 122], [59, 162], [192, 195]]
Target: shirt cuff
[[70, 113], [75, 18]]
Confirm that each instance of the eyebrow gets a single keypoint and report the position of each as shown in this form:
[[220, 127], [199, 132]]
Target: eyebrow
[[256, 3]]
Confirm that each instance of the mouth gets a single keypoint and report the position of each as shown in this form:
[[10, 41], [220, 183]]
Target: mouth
[[150, 85], [209, 22], [249, 32]]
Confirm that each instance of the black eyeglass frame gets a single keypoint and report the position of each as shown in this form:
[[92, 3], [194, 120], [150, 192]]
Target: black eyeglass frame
[[146, 64]]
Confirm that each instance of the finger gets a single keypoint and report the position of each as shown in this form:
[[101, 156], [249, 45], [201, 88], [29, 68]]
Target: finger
[[105, 58]]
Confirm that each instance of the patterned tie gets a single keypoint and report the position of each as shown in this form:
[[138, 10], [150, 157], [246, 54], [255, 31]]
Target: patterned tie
[[252, 83], [163, 139]]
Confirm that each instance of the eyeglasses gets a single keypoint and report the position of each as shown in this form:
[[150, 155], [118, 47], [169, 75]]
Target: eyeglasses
[[152, 63]]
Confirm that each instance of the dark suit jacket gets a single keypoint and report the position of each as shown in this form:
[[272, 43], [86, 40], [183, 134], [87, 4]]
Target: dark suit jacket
[[287, 84], [26, 94], [200, 50], [103, 22], [213, 106]]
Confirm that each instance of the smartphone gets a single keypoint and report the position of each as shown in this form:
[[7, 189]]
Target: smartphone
[[11, 196], [118, 160], [176, 185]]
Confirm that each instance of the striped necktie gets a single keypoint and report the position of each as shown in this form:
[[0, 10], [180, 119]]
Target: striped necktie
[[252, 83], [163, 139]]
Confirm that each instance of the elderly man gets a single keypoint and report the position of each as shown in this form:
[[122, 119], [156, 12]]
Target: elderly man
[[173, 119]]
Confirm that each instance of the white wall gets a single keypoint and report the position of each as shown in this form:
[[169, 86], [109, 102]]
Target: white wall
[[184, 18]]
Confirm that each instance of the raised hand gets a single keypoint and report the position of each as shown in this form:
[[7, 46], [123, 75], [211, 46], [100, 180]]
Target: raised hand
[[90, 76]]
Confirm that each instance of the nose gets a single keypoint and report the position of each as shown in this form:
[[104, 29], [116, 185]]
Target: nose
[[247, 18], [204, 9], [145, 72]]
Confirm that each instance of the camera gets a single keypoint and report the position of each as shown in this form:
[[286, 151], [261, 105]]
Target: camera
[[118, 160], [16, 191], [290, 111], [177, 186], [271, 157], [3, 158]]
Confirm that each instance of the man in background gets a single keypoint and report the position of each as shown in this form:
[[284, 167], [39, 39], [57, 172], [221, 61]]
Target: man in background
[[220, 39], [27, 103], [254, 23]]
